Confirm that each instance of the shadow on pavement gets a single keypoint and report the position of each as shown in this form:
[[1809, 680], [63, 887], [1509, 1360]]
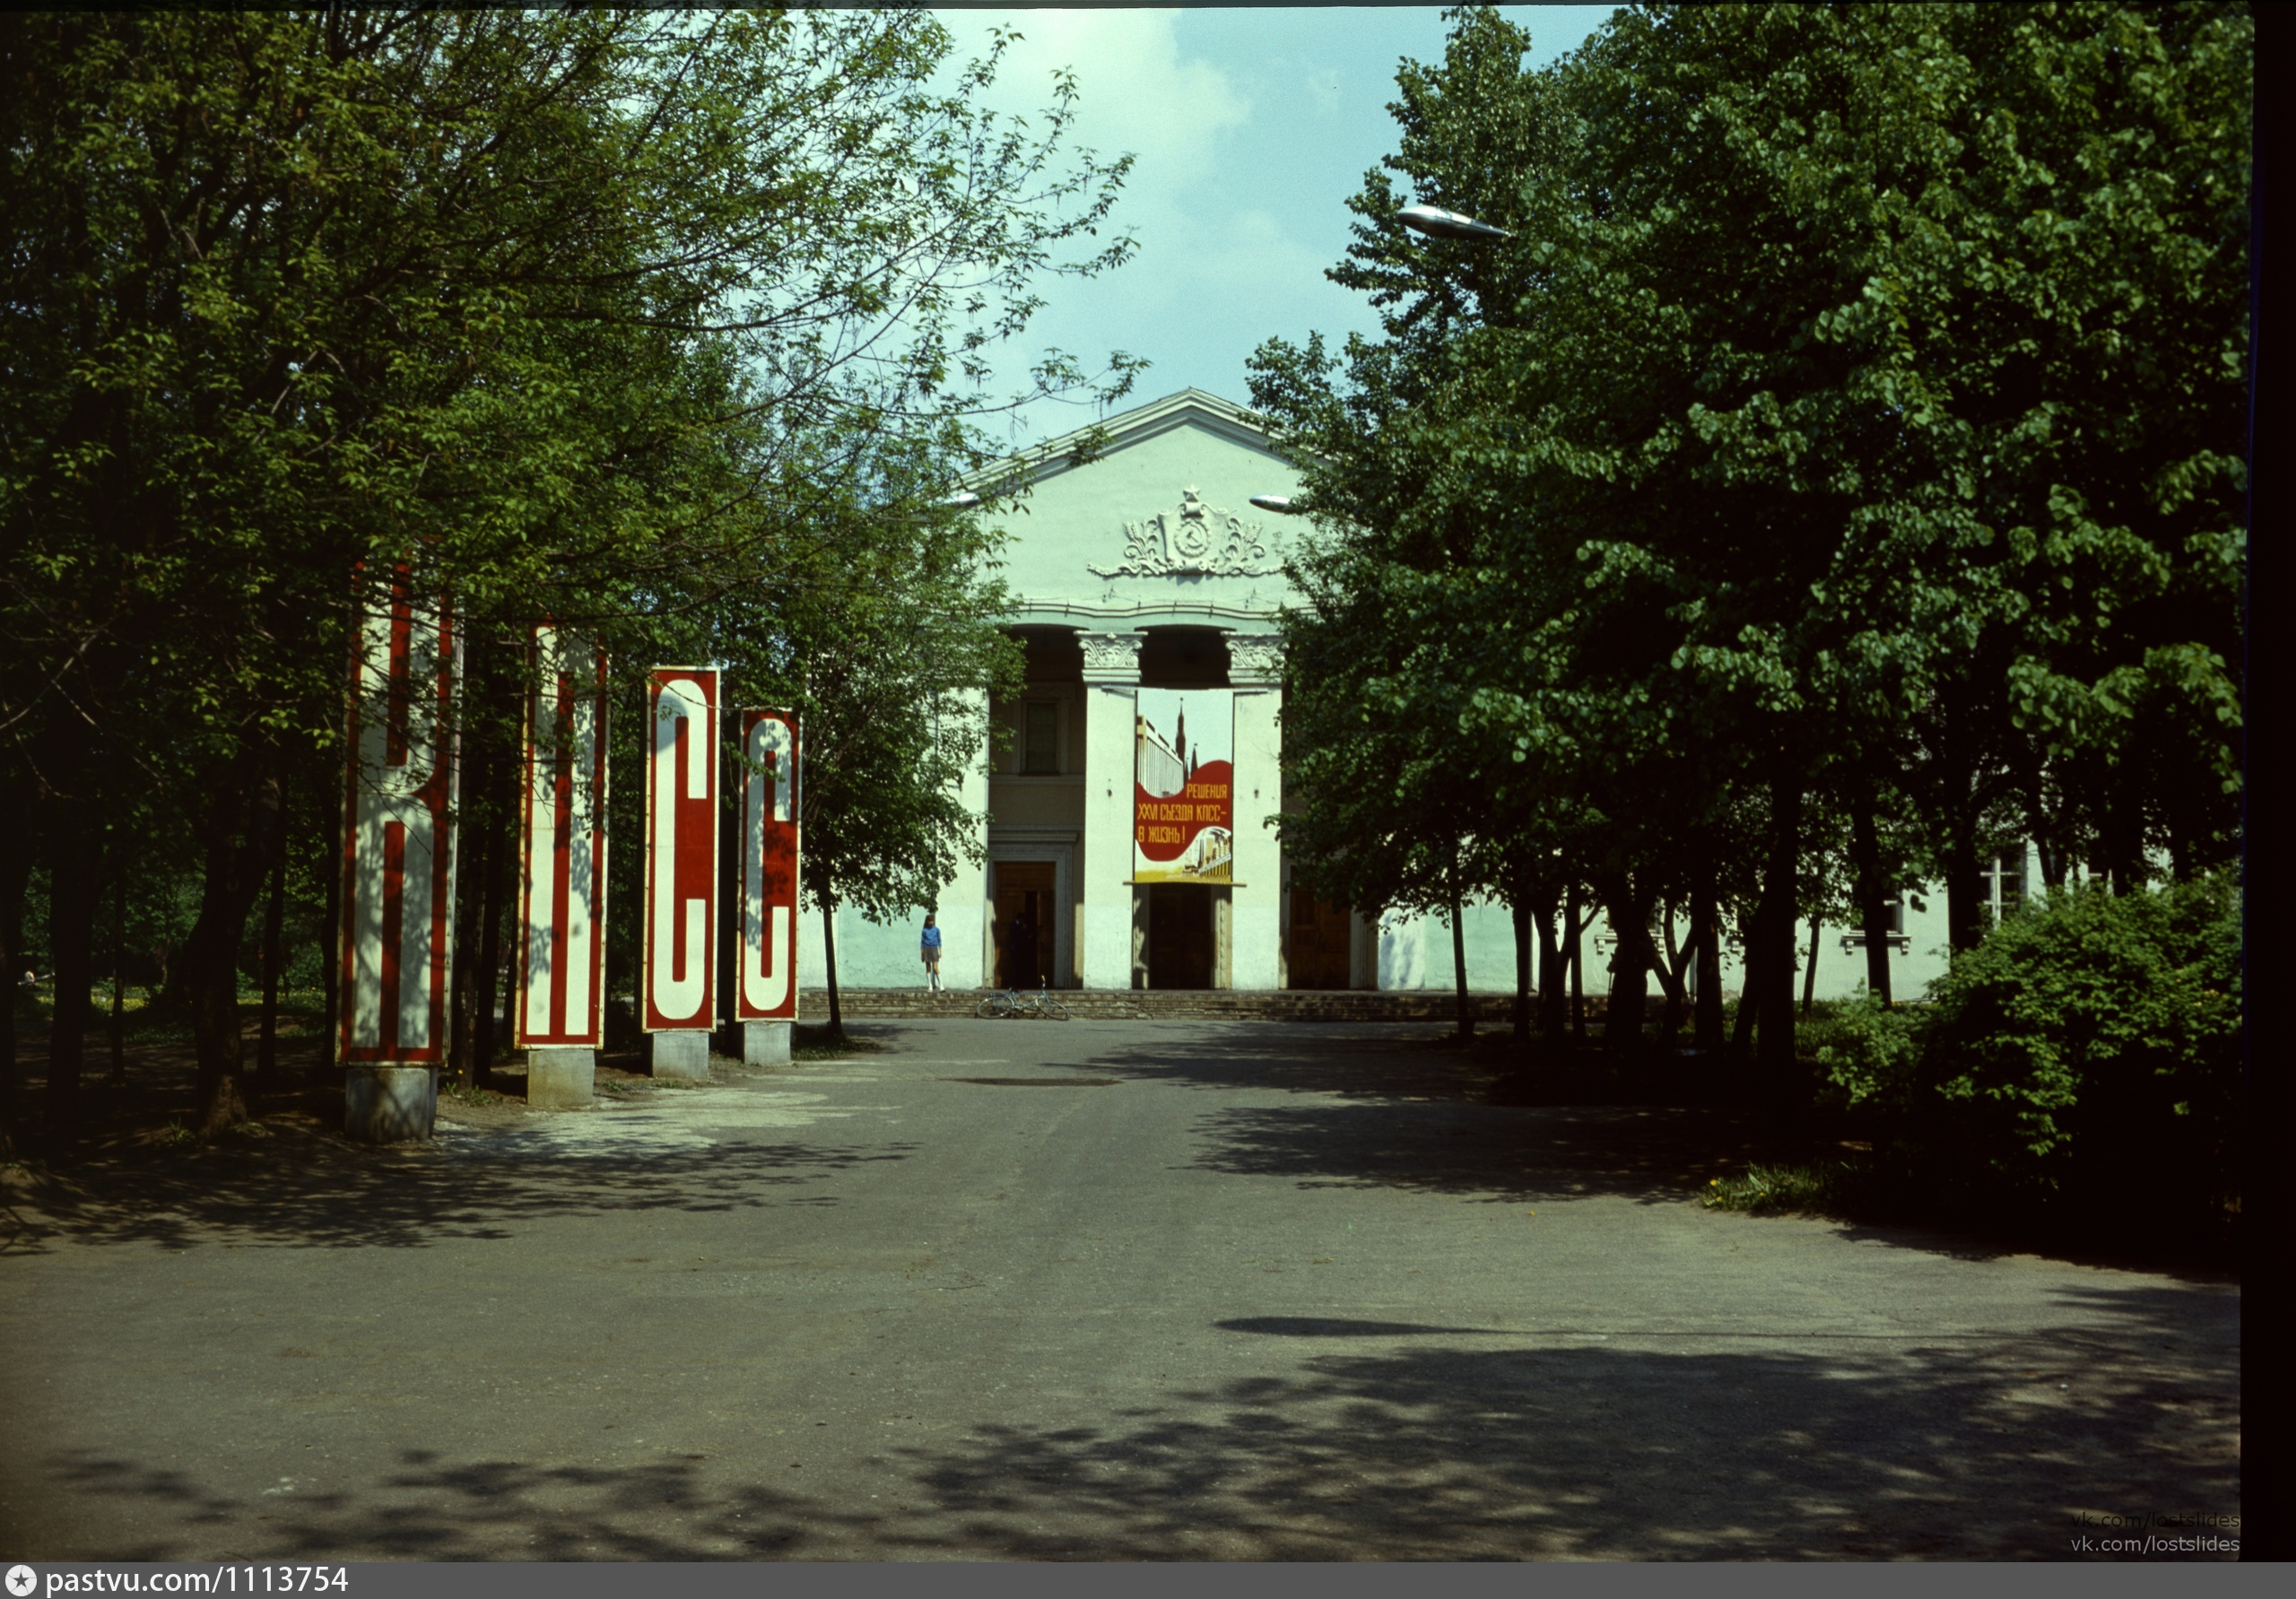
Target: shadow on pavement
[[1392, 1062], [1653, 1156], [321, 1192], [1855, 1448]]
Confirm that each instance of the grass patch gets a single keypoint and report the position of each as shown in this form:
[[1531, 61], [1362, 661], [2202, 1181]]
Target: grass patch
[[462, 1093], [1820, 1188]]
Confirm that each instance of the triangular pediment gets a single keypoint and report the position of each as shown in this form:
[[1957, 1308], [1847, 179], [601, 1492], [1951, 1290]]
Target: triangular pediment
[[1158, 520]]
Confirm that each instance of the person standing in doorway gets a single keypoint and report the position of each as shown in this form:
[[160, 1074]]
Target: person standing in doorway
[[930, 947]]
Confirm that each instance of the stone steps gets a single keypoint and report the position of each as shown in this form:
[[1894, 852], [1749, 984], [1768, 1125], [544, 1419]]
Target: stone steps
[[1096, 1005]]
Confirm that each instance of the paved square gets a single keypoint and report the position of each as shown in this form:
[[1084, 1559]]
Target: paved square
[[1091, 1289]]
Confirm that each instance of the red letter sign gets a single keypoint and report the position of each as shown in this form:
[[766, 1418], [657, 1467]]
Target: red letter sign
[[563, 888], [769, 986], [398, 851], [681, 851]]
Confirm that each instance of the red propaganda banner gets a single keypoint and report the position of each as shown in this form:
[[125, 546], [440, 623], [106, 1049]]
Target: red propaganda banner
[[768, 987], [681, 851], [562, 878], [398, 848], [1184, 785]]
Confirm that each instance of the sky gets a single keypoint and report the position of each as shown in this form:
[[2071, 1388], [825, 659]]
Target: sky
[[1250, 128]]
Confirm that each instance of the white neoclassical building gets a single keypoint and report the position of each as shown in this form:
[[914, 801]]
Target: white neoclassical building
[[1120, 852]]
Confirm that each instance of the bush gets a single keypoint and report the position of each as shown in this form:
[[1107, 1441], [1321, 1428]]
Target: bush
[[1870, 1051], [2085, 1057], [2091, 1047]]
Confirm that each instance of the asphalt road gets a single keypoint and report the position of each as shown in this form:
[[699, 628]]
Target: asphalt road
[[1099, 1291]]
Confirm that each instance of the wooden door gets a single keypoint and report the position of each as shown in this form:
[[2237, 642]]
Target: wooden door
[[1023, 933], [1179, 935], [1318, 952]]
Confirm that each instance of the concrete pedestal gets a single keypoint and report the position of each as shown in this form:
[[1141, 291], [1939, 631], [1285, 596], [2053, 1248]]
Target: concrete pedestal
[[765, 1043], [560, 1078], [391, 1104], [682, 1056]]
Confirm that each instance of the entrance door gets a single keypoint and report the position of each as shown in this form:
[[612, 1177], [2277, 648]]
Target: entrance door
[[1321, 937], [1179, 935], [1025, 924]]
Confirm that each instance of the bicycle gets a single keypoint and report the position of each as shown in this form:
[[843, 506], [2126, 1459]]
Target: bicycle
[[1012, 1001]]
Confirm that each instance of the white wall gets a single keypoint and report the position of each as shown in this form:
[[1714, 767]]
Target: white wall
[[1415, 952]]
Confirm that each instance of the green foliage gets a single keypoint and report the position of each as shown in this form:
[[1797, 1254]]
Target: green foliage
[[1823, 1188], [2088, 1049], [1869, 1051], [1853, 423], [619, 317], [2094, 1040]]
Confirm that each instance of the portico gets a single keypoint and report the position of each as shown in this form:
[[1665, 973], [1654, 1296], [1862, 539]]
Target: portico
[[1145, 569]]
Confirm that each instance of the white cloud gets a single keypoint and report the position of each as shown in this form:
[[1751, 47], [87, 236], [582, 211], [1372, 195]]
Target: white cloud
[[1136, 91]]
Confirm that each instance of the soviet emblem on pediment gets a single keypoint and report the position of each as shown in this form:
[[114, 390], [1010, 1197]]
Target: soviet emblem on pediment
[[1196, 540]]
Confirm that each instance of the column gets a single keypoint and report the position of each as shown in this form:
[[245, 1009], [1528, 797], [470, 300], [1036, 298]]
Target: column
[[964, 909], [1256, 930], [1111, 675]]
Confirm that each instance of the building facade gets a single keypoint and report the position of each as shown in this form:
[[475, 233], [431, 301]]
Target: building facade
[[1128, 839]]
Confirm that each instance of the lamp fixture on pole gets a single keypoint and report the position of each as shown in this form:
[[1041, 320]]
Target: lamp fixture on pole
[[1438, 224]]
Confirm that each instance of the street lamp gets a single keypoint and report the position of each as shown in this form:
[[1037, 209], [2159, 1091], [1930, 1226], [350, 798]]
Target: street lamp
[[962, 501], [1438, 224], [1280, 504]]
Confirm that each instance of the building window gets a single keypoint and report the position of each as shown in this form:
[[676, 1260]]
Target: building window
[[2005, 882], [1892, 919], [1040, 737]]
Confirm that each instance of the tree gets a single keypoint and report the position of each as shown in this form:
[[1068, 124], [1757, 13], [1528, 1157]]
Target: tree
[[1859, 390], [889, 660], [567, 310]]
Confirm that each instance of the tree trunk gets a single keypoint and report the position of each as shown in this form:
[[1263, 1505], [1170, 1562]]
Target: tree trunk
[[1521, 911], [15, 877], [1810, 975], [1965, 898], [71, 893], [119, 972], [1578, 958], [266, 1052], [1872, 902], [1742, 1030], [828, 959], [469, 995], [1774, 1047], [331, 934], [1670, 976], [496, 979], [2120, 836], [1459, 964], [242, 827], [1554, 1000], [1631, 961], [1708, 1029]]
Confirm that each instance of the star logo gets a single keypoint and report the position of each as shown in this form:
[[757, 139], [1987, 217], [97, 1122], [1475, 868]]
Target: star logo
[[22, 1580]]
